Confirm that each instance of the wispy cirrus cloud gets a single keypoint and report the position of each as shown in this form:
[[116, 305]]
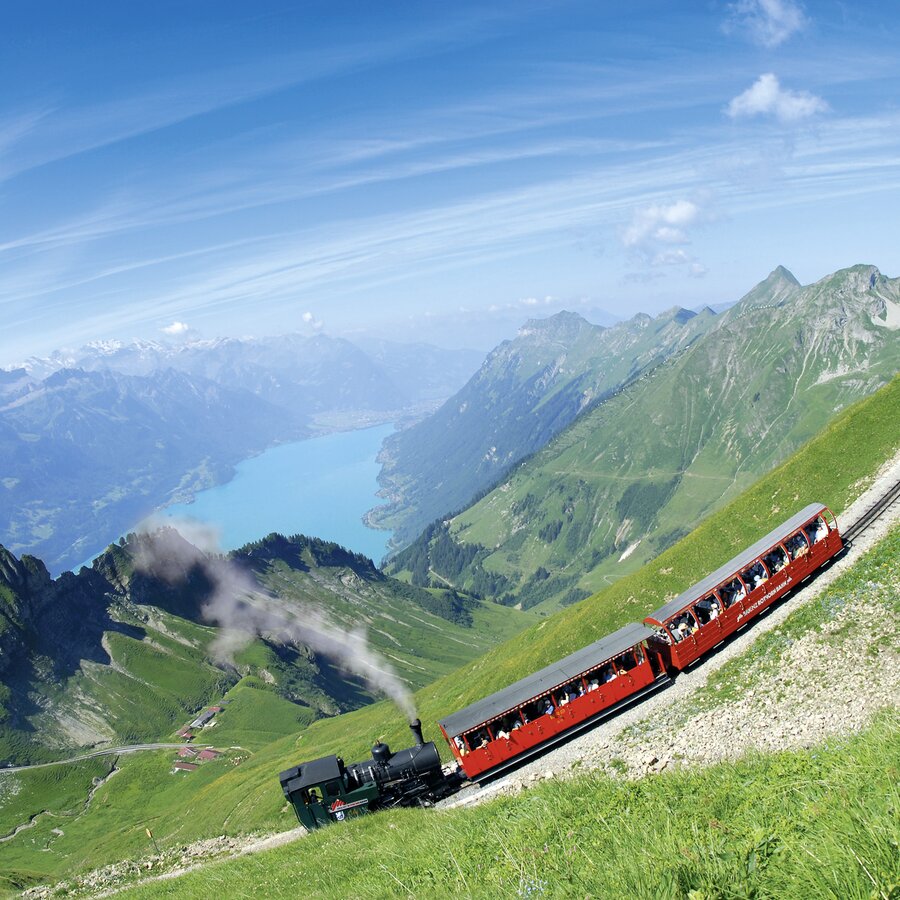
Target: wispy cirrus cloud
[[766, 22], [766, 97]]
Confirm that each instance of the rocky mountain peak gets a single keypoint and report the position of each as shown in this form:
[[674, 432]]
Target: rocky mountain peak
[[564, 324], [26, 575], [779, 275]]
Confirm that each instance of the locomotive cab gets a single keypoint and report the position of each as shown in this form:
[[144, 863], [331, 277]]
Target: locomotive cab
[[325, 790], [321, 792]]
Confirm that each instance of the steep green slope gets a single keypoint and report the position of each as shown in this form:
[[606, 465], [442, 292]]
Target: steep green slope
[[527, 390], [734, 830], [118, 655], [637, 472], [834, 467]]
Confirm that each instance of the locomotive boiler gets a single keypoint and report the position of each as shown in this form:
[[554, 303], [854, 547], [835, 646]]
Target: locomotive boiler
[[326, 790]]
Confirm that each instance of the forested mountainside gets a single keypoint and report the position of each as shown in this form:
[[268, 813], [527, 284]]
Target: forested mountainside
[[93, 441], [638, 471], [527, 391], [120, 653]]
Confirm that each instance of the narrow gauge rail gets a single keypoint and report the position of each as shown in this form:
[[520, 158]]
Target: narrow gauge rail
[[546, 707], [873, 513]]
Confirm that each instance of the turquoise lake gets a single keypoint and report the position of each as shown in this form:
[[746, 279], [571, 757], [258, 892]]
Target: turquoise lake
[[319, 487]]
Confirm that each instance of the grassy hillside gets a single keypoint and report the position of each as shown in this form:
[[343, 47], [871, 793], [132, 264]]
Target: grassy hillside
[[527, 391], [814, 824], [631, 476], [230, 798], [116, 655]]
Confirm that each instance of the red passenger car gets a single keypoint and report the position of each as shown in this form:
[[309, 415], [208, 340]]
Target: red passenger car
[[507, 727], [705, 614]]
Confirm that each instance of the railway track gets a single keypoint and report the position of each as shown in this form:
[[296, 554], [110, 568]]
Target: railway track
[[872, 513]]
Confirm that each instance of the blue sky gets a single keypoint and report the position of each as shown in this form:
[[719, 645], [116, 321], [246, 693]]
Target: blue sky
[[430, 171]]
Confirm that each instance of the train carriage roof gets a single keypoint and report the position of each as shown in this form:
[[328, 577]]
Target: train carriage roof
[[737, 564], [560, 672]]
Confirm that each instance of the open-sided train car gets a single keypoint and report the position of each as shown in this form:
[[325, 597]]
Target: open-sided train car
[[708, 612], [505, 728]]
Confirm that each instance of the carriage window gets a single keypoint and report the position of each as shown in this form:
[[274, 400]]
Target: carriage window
[[639, 654], [817, 530], [755, 575], [569, 693], [683, 626], [707, 609], [333, 789], [776, 560], [732, 592], [663, 635], [796, 545], [625, 662]]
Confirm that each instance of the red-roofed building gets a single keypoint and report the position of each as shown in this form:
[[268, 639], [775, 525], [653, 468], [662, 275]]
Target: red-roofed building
[[180, 766], [209, 754], [185, 752]]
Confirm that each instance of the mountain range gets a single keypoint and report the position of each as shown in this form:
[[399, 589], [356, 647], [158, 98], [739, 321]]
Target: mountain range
[[526, 391], [637, 470]]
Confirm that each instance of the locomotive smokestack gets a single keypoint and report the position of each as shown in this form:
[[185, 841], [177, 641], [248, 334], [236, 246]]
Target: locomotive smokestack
[[416, 728]]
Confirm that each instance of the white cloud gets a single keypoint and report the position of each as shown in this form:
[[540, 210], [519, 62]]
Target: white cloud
[[659, 232], [766, 97], [766, 22], [311, 321], [657, 224], [176, 329]]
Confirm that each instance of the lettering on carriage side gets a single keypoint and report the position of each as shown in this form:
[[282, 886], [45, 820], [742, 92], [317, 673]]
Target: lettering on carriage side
[[764, 598]]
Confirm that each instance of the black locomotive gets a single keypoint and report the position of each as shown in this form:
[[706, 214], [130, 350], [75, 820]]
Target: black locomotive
[[325, 790]]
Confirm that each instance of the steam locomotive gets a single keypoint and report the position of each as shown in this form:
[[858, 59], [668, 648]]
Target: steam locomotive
[[503, 730], [326, 790]]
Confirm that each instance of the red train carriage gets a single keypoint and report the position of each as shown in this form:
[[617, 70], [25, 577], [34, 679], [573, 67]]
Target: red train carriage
[[705, 614], [503, 729]]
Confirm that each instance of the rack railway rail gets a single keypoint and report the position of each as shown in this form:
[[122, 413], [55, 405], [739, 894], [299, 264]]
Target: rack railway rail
[[873, 513]]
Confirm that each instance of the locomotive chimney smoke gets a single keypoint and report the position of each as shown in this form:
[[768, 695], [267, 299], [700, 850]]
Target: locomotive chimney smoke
[[243, 611], [416, 728]]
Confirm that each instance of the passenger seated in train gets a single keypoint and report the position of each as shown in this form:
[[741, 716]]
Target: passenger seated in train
[[607, 674], [460, 745], [776, 560], [593, 685], [796, 545], [549, 708], [501, 732], [817, 530], [755, 575], [683, 626], [732, 592], [707, 609]]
